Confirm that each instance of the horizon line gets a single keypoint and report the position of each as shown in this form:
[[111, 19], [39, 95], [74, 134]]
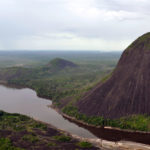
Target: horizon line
[[61, 50]]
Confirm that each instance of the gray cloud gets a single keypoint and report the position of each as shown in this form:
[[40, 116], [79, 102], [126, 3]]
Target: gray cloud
[[72, 24]]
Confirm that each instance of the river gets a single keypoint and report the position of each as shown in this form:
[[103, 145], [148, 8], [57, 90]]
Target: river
[[25, 101]]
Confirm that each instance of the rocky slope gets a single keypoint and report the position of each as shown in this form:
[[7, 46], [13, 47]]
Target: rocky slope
[[127, 91]]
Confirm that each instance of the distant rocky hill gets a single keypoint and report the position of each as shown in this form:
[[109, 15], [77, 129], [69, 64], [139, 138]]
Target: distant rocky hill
[[127, 91], [21, 73], [60, 63]]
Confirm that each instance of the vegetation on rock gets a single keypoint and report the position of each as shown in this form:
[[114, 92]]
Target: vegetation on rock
[[133, 122], [19, 132]]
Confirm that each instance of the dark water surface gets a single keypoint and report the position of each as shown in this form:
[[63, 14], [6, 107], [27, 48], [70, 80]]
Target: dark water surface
[[25, 101]]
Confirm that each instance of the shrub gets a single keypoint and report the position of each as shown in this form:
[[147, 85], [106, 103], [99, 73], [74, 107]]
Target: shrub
[[30, 138], [84, 144], [62, 138], [5, 144], [39, 126]]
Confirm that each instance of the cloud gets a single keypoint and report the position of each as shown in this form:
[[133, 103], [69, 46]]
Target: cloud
[[72, 24], [65, 41]]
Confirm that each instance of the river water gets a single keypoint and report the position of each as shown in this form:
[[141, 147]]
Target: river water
[[25, 101]]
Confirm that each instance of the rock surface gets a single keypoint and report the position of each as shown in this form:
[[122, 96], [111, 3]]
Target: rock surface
[[127, 91]]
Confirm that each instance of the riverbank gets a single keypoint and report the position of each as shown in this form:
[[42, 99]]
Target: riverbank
[[107, 145], [19, 132], [98, 127], [93, 126], [70, 117], [46, 116], [104, 144]]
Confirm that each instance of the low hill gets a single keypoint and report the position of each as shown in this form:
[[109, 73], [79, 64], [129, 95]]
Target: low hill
[[17, 73], [60, 63], [21, 73], [127, 91]]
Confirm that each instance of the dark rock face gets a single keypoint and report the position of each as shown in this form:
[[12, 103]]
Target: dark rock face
[[127, 91]]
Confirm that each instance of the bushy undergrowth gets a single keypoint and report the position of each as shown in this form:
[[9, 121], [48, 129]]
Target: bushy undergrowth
[[21, 131], [6, 144], [17, 122], [30, 138], [134, 122], [62, 138], [84, 144]]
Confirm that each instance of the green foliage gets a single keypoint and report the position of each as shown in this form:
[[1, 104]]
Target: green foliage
[[51, 144], [59, 63], [62, 138], [1, 113], [5, 144], [73, 111], [105, 78], [84, 144], [57, 84], [36, 58], [135, 122], [39, 126], [30, 138], [141, 40], [17, 122]]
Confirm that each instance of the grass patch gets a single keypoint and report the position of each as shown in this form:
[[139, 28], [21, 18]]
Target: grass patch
[[105, 78], [84, 144], [17, 122], [30, 138], [5, 144], [39, 126], [62, 138]]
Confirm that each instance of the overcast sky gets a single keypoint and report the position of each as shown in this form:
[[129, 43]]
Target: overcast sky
[[72, 24]]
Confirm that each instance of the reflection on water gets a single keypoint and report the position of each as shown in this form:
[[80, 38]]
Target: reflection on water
[[25, 101]]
